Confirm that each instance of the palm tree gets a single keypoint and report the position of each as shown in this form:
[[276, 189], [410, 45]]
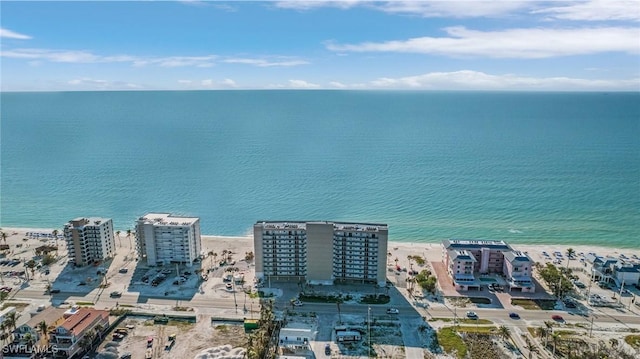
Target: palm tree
[[4, 237], [42, 326], [119, 239], [11, 320], [542, 332], [504, 332], [613, 342], [530, 347], [549, 326], [570, 253], [29, 339], [555, 338]]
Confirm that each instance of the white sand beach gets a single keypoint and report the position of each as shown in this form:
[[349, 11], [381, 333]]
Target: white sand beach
[[432, 252]]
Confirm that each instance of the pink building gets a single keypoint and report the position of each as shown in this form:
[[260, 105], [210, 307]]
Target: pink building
[[468, 261]]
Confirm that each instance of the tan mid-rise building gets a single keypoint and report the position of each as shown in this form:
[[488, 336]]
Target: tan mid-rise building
[[162, 238], [89, 240], [321, 252]]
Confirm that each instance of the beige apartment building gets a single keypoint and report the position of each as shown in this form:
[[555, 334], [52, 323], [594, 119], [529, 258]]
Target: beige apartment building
[[89, 240], [472, 262], [321, 252], [162, 239]]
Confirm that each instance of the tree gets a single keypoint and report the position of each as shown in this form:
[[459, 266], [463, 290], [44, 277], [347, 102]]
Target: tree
[[248, 256], [555, 338], [570, 253], [4, 237], [531, 348], [613, 342], [11, 320], [32, 266], [119, 239], [42, 327], [504, 332]]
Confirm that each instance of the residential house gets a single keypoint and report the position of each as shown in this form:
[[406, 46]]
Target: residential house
[[68, 335]]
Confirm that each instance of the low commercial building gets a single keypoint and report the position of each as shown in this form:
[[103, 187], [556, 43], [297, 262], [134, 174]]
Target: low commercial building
[[89, 240], [469, 261], [341, 251], [163, 238]]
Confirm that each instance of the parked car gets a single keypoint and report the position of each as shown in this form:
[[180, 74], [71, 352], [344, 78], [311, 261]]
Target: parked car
[[514, 315], [125, 356], [393, 311], [557, 318], [123, 270], [327, 349], [54, 291], [472, 315], [297, 303], [115, 294]]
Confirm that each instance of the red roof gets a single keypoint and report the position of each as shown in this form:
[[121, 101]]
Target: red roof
[[83, 319]]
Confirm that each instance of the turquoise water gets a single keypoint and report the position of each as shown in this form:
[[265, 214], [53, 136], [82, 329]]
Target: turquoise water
[[560, 168]]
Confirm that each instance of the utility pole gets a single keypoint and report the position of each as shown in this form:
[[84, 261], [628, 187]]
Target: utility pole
[[591, 328], [369, 329]]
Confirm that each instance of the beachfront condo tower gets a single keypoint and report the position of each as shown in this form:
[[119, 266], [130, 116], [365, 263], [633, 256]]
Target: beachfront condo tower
[[321, 252], [89, 240], [163, 239]]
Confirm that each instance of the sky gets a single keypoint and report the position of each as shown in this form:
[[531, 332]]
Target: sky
[[498, 45]]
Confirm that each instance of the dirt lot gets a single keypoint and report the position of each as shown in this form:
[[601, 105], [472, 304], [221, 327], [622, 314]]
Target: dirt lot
[[191, 339]]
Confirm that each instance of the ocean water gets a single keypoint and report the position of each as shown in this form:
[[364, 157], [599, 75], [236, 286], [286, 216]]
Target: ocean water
[[561, 168]]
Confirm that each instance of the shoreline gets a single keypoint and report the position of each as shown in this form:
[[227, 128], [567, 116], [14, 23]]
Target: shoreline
[[432, 251]]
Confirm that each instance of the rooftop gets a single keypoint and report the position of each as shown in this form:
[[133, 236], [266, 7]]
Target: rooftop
[[87, 221], [474, 244], [516, 256], [166, 219], [50, 315], [340, 226], [461, 254], [79, 322]]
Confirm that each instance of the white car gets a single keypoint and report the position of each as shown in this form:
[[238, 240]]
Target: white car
[[393, 311], [472, 315], [297, 303]]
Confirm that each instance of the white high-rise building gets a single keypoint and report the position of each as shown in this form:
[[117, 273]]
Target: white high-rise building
[[89, 240], [321, 252], [163, 238]]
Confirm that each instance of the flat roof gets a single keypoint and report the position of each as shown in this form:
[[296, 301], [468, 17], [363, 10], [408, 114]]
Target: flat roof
[[341, 226], [167, 219], [474, 244], [461, 254]]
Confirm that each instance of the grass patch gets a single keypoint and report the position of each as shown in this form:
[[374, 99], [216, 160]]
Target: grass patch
[[479, 330], [565, 333], [17, 305], [451, 341], [85, 303], [441, 319], [223, 328], [323, 298], [126, 305], [633, 340], [534, 304], [474, 321], [375, 299], [480, 300]]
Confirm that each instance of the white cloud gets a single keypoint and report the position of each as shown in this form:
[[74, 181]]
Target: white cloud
[[511, 43], [8, 34], [455, 9], [207, 83], [87, 83], [301, 84], [185, 82], [309, 5], [265, 63], [228, 83], [81, 56], [594, 10], [475, 80], [337, 84]]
